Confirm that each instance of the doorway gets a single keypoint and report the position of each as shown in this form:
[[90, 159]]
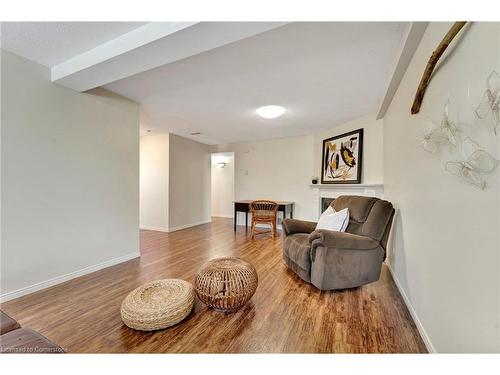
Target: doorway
[[222, 184]]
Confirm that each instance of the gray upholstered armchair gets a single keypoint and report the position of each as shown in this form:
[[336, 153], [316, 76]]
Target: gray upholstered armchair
[[338, 260]]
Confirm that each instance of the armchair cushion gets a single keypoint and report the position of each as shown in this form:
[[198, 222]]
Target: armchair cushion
[[359, 207], [368, 216], [291, 226]]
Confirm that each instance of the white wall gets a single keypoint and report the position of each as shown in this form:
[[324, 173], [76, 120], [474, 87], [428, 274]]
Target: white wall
[[446, 254], [222, 185], [189, 183], [373, 144], [282, 168], [276, 169], [70, 172], [154, 182]]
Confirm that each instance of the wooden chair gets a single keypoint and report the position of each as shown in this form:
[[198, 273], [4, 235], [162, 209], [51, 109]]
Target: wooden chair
[[264, 212]]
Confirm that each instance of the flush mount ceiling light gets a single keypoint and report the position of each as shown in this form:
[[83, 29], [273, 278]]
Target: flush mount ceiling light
[[270, 111]]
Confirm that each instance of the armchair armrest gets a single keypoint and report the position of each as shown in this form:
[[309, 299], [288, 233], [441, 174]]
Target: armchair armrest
[[341, 240], [7, 324], [291, 226]]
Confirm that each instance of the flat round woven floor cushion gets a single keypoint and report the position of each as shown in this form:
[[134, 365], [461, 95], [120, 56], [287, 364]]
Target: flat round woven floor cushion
[[158, 304]]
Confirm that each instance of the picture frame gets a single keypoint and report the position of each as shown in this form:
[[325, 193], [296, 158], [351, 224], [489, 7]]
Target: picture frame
[[342, 158]]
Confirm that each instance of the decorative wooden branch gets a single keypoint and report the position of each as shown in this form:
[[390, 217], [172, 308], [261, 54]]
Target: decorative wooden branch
[[431, 64]]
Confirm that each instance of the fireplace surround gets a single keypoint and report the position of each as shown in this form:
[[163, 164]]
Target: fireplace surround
[[325, 202], [325, 193]]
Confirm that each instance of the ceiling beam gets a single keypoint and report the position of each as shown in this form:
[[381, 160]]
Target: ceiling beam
[[409, 43], [127, 42], [148, 47]]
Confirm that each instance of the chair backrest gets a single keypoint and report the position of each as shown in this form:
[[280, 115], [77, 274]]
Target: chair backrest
[[262, 206], [368, 216]]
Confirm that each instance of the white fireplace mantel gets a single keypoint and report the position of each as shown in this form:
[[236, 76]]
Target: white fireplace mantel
[[335, 190], [343, 186]]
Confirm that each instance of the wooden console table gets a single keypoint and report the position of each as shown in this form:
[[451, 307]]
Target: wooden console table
[[244, 206]]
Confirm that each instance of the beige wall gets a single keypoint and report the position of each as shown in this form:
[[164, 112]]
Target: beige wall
[[154, 182], [70, 172], [189, 183], [446, 254]]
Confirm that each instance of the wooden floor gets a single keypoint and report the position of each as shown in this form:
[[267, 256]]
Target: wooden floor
[[285, 315]]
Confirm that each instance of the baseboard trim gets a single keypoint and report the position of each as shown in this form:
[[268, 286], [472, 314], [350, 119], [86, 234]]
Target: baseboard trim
[[413, 313], [63, 278], [156, 229], [180, 227]]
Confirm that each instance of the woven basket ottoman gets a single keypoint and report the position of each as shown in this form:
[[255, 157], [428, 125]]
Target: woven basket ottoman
[[158, 304], [226, 284]]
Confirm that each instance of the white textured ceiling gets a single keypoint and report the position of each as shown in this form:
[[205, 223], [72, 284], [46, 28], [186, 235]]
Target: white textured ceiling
[[323, 73], [51, 43]]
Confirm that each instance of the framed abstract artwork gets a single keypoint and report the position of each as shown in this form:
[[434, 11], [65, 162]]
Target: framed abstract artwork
[[342, 157]]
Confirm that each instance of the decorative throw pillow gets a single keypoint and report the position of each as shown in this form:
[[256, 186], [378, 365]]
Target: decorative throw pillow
[[332, 220], [330, 210]]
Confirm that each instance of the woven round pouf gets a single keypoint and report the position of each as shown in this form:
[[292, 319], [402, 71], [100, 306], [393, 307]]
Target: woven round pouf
[[158, 304], [226, 283]]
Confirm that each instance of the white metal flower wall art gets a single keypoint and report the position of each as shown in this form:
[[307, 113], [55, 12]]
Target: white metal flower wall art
[[490, 103], [477, 163], [448, 127], [433, 135]]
